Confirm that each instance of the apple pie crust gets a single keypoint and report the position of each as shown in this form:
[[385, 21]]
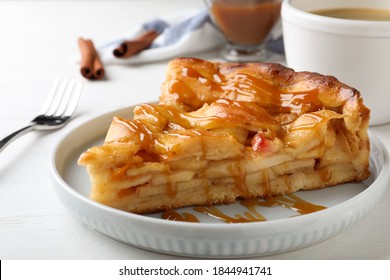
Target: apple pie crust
[[224, 131]]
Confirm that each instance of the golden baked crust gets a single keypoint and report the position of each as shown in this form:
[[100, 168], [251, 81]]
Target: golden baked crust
[[223, 131]]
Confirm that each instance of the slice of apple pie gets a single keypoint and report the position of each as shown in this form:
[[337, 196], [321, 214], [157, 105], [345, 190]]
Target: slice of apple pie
[[224, 131]]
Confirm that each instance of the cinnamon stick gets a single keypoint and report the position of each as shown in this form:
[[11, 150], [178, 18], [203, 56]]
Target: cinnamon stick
[[98, 69], [91, 66], [132, 47]]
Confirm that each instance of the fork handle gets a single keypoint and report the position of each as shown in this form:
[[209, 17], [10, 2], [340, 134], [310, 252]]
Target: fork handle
[[7, 140]]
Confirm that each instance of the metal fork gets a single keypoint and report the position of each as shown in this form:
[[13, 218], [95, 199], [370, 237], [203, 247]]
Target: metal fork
[[56, 111]]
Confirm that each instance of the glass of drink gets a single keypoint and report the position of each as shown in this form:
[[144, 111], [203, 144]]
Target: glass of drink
[[246, 25]]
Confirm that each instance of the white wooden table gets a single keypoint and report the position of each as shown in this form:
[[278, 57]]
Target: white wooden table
[[38, 41]]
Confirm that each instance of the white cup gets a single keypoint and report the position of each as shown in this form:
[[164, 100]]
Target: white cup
[[356, 52]]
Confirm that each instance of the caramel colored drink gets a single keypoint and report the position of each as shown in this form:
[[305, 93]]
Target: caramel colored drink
[[245, 25], [245, 22]]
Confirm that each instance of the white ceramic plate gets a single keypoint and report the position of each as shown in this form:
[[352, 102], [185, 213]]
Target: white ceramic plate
[[283, 230]]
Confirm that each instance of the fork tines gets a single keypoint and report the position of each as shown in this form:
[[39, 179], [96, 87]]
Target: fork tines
[[63, 98]]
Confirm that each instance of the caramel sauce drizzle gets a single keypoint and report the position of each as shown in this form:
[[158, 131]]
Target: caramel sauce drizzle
[[176, 216], [141, 132], [290, 201], [171, 187], [325, 174], [241, 179], [266, 184], [229, 113], [223, 113], [237, 172], [218, 214], [184, 93], [214, 83], [246, 88], [203, 171], [120, 171], [316, 119]]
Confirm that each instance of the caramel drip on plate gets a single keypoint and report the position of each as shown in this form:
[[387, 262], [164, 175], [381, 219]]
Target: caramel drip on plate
[[297, 204], [176, 216], [290, 201], [218, 214]]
